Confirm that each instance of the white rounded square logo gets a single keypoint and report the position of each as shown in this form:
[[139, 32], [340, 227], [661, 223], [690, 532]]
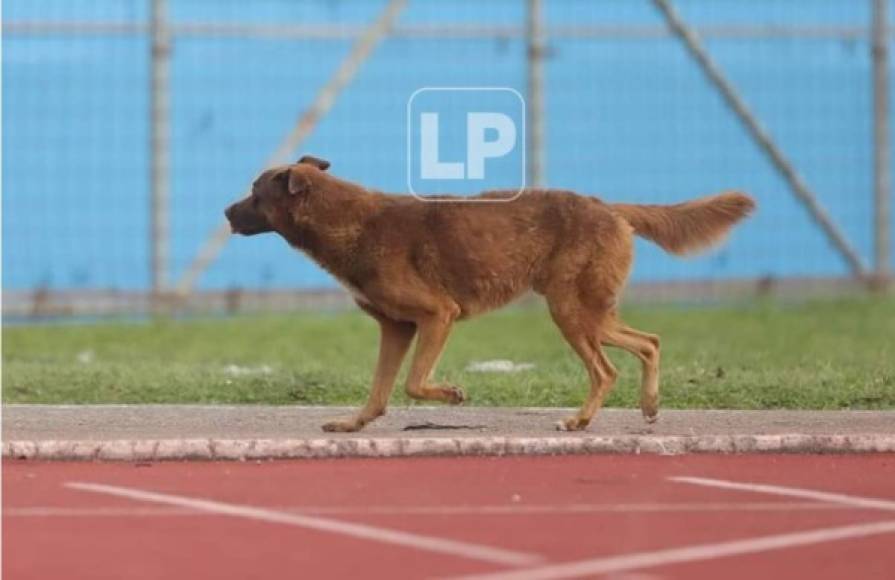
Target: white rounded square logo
[[465, 140]]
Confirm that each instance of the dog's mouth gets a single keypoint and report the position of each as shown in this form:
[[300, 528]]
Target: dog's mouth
[[246, 223], [244, 230]]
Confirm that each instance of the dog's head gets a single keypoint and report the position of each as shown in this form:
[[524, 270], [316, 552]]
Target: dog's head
[[273, 195]]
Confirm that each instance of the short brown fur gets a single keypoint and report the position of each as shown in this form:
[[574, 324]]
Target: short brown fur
[[417, 267]]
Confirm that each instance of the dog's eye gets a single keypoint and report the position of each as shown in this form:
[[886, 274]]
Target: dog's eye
[[255, 202]]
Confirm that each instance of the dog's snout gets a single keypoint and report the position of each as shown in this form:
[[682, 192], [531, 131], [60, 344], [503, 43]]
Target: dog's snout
[[246, 220], [230, 214]]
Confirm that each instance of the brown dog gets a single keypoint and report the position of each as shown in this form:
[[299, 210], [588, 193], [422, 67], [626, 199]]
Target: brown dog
[[417, 267]]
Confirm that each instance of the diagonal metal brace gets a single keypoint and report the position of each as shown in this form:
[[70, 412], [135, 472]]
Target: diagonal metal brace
[[761, 136], [322, 104]]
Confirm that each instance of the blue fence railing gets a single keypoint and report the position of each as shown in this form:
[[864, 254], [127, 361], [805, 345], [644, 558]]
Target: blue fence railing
[[628, 116]]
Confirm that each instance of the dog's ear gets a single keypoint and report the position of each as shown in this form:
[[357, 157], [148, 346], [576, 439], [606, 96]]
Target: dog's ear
[[282, 177], [297, 183], [321, 164]]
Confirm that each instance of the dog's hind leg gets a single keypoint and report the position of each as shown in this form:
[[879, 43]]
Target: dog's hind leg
[[645, 347], [582, 329], [395, 339], [433, 333]]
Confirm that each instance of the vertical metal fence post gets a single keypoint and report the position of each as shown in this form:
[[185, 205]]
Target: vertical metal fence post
[[535, 106], [158, 146], [882, 179]]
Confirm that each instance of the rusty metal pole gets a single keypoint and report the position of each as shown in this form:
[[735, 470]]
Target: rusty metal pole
[[159, 131], [534, 110], [882, 178]]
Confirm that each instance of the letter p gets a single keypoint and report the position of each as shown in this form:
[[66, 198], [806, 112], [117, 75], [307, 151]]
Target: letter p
[[478, 149]]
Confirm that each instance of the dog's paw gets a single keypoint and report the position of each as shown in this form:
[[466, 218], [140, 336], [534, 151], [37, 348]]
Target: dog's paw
[[343, 426], [446, 393], [454, 395], [650, 410], [572, 424]]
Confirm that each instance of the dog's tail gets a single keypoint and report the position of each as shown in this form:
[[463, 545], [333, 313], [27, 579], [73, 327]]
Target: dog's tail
[[687, 227]]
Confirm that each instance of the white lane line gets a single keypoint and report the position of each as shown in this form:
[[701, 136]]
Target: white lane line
[[837, 498], [362, 531], [460, 510], [98, 512], [697, 553]]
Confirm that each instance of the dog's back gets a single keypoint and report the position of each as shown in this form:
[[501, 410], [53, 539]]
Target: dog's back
[[483, 255]]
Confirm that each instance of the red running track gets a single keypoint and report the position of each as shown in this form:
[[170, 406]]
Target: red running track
[[549, 517]]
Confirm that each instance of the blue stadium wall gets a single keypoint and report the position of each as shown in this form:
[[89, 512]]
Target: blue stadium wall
[[626, 119]]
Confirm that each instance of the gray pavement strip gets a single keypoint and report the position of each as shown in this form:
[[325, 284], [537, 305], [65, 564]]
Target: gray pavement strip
[[159, 432]]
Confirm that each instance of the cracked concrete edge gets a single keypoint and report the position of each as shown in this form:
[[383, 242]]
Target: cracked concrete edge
[[256, 449]]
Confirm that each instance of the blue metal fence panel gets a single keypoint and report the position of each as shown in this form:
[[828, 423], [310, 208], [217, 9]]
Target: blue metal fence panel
[[628, 119]]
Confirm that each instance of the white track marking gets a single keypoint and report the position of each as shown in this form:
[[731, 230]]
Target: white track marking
[[97, 512], [460, 510], [837, 498], [697, 553], [362, 531]]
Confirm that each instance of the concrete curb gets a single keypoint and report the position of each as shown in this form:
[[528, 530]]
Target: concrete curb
[[252, 449]]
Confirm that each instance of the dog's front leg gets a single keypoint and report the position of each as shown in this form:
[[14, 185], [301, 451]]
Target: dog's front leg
[[395, 339]]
